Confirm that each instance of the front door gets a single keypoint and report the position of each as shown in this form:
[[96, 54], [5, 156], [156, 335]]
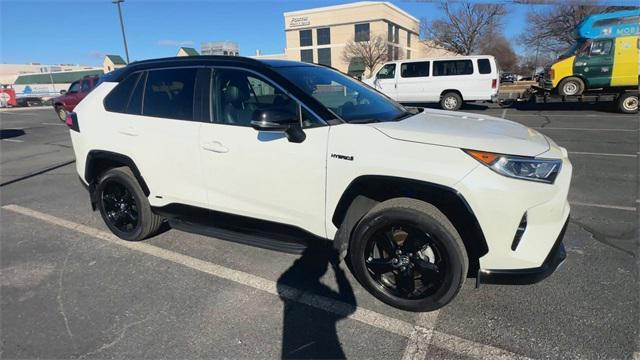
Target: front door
[[262, 174], [595, 64], [385, 81]]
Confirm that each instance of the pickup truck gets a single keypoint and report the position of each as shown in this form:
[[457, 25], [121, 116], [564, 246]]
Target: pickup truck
[[68, 99]]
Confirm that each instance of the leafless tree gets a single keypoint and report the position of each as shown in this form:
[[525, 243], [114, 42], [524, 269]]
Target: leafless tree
[[553, 30], [498, 46], [463, 27], [370, 53]]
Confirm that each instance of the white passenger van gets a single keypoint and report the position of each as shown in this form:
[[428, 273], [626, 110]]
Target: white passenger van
[[449, 81]]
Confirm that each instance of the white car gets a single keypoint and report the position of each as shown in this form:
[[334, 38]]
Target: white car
[[448, 81], [288, 155]]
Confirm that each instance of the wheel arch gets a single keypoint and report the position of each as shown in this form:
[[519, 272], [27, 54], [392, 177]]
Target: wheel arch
[[366, 191], [99, 161], [453, 91]]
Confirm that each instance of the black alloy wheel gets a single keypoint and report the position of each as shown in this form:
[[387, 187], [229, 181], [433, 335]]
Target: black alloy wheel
[[120, 206], [405, 261]]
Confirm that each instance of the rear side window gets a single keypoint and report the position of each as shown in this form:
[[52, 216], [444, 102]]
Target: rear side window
[[484, 66], [414, 69], [135, 102], [118, 98], [169, 93], [452, 67]]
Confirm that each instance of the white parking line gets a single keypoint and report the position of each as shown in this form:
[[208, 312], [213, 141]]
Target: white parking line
[[583, 129], [604, 206], [57, 124], [504, 112], [418, 334], [13, 140], [602, 154]]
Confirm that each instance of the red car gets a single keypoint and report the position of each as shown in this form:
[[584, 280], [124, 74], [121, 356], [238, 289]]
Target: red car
[[68, 99]]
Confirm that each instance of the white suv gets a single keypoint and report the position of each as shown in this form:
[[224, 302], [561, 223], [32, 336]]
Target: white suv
[[285, 155]]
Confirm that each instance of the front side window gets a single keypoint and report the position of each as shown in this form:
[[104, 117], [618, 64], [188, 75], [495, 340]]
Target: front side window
[[324, 56], [86, 86], [387, 72], [601, 48], [414, 69], [74, 88], [484, 66], [306, 55], [348, 98], [241, 93], [362, 32], [118, 99], [324, 36], [306, 38], [452, 67], [169, 93]]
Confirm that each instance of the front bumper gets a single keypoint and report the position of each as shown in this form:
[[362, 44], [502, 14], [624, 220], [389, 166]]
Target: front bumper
[[554, 259]]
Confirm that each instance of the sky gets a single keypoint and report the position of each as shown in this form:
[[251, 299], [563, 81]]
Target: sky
[[82, 32]]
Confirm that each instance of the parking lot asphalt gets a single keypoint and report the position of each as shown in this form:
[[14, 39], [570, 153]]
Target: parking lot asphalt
[[70, 289]]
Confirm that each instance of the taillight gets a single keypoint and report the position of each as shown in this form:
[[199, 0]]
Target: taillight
[[494, 83], [72, 121]]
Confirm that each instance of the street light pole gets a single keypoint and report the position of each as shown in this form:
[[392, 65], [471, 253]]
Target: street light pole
[[124, 38]]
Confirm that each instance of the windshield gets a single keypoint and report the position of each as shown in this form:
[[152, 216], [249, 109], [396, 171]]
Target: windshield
[[346, 97], [580, 46]]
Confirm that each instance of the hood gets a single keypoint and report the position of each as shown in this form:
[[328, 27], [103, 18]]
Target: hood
[[467, 131]]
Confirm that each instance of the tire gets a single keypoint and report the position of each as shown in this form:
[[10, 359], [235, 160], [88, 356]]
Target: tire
[[62, 113], [628, 103], [430, 240], [571, 86], [124, 207], [451, 101]]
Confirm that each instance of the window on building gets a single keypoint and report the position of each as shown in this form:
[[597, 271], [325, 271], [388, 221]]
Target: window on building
[[484, 66], [169, 94], [396, 53], [408, 39], [306, 55], [414, 69], [452, 67], [387, 72], [324, 36], [396, 35], [324, 56], [362, 32], [225, 52], [306, 38], [601, 47], [390, 32], [408, 54], [389, 52]]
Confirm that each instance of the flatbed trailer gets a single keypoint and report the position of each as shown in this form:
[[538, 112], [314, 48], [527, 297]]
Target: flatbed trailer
[[625, 100]]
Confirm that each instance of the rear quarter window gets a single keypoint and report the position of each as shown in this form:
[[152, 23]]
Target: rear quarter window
[[452, 67], [118, 99], [484, 66], [170, 93]]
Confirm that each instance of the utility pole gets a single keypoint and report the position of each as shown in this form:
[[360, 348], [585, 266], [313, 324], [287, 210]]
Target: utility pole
[[124, 38]]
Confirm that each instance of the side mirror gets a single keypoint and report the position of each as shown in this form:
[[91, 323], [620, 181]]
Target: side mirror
[[278, 120], [62, 92]]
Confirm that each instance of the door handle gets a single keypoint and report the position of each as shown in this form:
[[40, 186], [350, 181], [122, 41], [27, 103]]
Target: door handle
[[129, 131], [215, 146]]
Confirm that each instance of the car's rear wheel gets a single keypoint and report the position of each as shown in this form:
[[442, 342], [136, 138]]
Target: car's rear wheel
[[571, 86], [409, 255], [451, 101], [628, 103], [124, 207], [62, 113]]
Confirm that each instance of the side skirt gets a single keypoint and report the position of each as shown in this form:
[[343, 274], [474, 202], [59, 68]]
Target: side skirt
[[239, 229]]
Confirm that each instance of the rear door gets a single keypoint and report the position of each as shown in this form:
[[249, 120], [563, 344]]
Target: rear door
[[166, 133], [454, 75], [487, 78], [413, 81], [386, 80]]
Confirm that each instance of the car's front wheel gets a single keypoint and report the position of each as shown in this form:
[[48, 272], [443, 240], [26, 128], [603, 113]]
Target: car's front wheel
[[408, 254], [124, 207]]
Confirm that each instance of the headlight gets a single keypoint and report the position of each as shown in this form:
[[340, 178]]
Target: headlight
[[519, 167]]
